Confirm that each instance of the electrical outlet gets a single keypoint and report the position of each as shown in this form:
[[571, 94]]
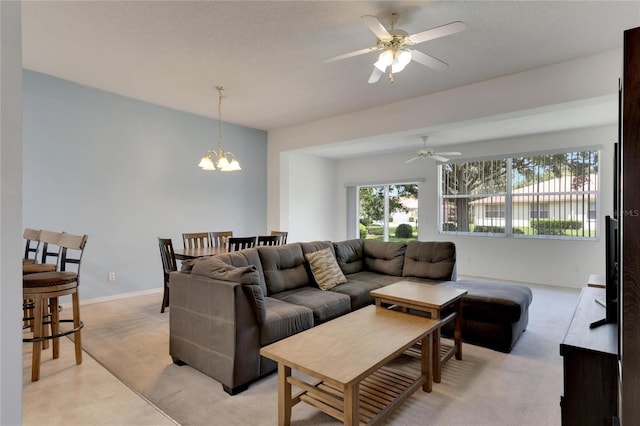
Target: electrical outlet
[[111, 277]]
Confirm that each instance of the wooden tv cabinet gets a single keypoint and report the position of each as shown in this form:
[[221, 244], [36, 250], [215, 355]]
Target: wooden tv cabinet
[[590, 359]]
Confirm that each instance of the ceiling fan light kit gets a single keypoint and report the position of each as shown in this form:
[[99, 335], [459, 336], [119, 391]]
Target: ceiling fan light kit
[[219, 160], [397, 47]]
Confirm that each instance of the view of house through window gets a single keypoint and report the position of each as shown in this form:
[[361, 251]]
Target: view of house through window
[[388, 212], [539, 195]]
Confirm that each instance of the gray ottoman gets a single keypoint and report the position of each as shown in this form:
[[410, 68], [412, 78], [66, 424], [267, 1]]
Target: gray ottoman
[[494, 315]]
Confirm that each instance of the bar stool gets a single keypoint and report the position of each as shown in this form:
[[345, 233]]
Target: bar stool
[[47, 239], [44, 289], [32, 237]]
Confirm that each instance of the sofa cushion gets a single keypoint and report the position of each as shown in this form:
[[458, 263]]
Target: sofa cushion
[[312, 247], [374, 278], [349, 255], [238, 258], [325, 269], [358, 292], [283, 267], [434, 260], [493, 302], [283, 320], [384, 257], [215, 268], [244, 258], [326, 305]]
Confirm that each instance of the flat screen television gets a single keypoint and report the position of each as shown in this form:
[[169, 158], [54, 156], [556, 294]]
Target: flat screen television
[[612, 277]]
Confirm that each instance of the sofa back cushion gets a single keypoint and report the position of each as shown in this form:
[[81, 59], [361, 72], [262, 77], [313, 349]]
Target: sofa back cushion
[[312, 247], [384, 257], [244, 258], [283, 267], [216, 268], [350, 256], [434, 260]]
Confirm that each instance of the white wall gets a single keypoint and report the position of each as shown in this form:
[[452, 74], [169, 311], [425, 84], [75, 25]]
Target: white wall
[[125, 172], [10, 214], [312, 211], [555, 262]]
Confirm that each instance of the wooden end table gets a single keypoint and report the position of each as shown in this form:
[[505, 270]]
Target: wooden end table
[[431, 299], [348, 356]]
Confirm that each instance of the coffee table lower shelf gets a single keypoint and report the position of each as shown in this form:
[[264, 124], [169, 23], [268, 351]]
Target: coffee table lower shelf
[[379, 394]]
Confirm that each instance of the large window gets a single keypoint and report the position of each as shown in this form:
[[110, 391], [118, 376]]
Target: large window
[[388, 212], [552, 195]]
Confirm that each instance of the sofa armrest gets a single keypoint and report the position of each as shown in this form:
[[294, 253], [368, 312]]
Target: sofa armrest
[[213, 328]]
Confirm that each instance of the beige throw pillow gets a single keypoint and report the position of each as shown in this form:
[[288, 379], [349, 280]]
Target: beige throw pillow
[[325, 269]]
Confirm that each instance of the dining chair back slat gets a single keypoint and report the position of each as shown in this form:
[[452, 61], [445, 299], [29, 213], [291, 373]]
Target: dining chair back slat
[[219, 238], [269, 240], [240, 243], [196, 240], [283, 235]]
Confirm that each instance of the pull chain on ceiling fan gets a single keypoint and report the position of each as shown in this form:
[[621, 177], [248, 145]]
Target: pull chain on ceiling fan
[[397, 47]]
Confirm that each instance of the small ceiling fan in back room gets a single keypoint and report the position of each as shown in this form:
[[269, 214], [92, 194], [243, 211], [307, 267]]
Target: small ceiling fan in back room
[[397, 47], [429, 153]]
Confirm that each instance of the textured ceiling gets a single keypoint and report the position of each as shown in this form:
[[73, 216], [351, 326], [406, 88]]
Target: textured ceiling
[[268, 55]]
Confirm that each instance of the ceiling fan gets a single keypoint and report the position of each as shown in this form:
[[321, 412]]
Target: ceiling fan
[[429, 153], [397, 47]]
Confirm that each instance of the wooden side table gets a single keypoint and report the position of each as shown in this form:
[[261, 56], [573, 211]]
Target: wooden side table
[[432, 299]]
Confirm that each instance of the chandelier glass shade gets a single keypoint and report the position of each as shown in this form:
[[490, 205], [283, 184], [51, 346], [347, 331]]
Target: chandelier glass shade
[[219, 160]]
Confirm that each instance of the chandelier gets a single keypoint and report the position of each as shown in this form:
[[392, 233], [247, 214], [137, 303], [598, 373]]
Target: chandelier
[[219, 160]]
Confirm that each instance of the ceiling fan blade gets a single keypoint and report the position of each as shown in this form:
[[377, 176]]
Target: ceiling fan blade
[[375, 75], [437, 32], [428, 61], [351, 54], [376, 27], [410, 160], [437, 157], [448, 153]]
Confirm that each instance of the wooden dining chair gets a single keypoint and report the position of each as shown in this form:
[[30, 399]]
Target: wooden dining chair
[[240, 243], [196, 240], [283, 234], [168, 265], [269, 240], [219, 238]]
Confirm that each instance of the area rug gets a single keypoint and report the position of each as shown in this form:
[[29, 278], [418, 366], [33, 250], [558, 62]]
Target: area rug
[[130, 338]]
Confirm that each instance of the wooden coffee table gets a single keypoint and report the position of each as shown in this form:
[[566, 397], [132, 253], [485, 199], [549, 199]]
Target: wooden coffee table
[[431, 299], [348, 355]]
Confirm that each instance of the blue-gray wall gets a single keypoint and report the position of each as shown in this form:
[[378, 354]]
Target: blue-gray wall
[[125, 172]]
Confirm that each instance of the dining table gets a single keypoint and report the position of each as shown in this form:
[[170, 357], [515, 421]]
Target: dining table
[[194, 253]]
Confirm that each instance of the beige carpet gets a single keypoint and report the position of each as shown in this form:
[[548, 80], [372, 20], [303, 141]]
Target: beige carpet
[[131, 339]]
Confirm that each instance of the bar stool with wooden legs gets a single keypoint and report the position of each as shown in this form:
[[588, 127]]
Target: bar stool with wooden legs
[[44, 289], [48, 263]]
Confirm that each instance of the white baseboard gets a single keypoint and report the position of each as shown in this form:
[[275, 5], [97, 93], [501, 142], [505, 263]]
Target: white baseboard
[[115, 297]]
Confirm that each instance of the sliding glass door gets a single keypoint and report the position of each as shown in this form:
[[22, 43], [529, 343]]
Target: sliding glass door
[[388, 212]]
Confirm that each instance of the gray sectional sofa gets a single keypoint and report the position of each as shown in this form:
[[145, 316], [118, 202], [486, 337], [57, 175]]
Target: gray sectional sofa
[[225, 308]]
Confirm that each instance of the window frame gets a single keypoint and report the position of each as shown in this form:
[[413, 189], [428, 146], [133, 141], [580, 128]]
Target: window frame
[[508, 216]]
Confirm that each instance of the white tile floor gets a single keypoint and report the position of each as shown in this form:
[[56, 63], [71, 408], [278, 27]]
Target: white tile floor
[[87, 394]]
